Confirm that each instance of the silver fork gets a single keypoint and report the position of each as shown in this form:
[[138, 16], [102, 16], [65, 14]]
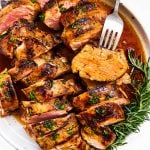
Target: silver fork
[[112, 29]]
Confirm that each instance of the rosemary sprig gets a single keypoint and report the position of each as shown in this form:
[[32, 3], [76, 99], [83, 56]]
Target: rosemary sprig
[[137, 112]]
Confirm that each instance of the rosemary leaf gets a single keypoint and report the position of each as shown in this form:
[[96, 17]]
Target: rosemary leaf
[[138, 111]]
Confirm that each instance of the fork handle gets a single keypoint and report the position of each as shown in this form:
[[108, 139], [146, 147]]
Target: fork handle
[[117, 6]]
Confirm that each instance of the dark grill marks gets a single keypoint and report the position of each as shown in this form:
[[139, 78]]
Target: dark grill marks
[[79, 22], [48, 69], [26, 64], [8, 97]]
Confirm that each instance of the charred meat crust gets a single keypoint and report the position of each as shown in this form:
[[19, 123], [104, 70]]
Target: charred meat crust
[[35, 112], [98, 95], [48, 68], [57, 9], [99, 138], [103, 114], [83, 9], [60, 136], [8, 98], [45, 90], [81, 32], [45, 127], [22, 68], [25, 41]]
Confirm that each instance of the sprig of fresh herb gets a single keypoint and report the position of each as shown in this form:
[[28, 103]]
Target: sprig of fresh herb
[[137, 112]]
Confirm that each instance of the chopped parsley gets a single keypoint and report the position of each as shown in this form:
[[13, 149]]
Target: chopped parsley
[[61, 8], [13, 39], [49, 125], [69, 130], [59, 105], [41, 17], [2, 84], [100, 110], [33, 1], [7, 95], [94, 99], [55, 136], [32, 95]]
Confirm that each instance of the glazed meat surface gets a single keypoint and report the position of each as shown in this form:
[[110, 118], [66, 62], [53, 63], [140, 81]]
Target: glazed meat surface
[[25, 41], [16, 11], [97, 95], [80, 32], [83, 23], [47, 126], [100, 64], [7, 46], [103, 114], [75, 143], [82, 9], [22, 68], [99, 138], [44, 90], [55, 138], [53, 14], [35, 111], [48, 67], [8, 98]]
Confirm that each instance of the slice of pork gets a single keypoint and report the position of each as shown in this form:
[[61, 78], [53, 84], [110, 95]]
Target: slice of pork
[[99, 138], [45, 90], [97, 95], [16, 11], [8, 98], [103, 114], [35, 112]]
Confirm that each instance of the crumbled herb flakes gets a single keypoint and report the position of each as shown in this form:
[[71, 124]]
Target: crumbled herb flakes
[[13, 39], [69, 130], [32, 95], [59, 105], [49, 125], [100, 110], [55, 136], [94, 99], [41, 16], [62, 8], [2, 84], [33, 1], [7, 95]]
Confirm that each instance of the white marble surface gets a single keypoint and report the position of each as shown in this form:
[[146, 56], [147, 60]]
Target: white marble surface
[[141, 9]]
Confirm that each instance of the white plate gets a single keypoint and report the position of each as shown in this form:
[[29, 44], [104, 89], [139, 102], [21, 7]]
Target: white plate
[[13, 132]]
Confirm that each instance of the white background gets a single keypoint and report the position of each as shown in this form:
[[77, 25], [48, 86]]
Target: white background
[[141, 9]]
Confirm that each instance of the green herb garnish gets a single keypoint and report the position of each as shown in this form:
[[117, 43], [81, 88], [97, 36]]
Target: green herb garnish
[[69, 130], [33, 1], [7, 95], [13, 39], [41, 17], [2, 84], [137, 112], [49, 124], [59, 105], [55, 136], [94, 99], [100, 110], [32, 95], [61, 8]]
